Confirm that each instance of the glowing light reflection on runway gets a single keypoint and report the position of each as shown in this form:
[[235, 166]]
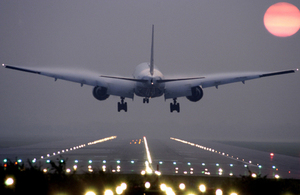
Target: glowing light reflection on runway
[[77, 147], [249, 163]]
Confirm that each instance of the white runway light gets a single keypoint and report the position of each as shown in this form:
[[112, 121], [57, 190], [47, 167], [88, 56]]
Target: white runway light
[[81, 146], [214, 151], [147, 150]]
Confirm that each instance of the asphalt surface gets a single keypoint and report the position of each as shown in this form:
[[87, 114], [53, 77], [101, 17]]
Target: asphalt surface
[[170, 156]]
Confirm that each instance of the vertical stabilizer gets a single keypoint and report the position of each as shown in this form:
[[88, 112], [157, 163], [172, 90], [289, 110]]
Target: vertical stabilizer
[[151, 59]]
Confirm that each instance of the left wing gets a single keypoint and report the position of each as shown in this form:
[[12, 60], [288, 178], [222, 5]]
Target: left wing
[[114, 86], [183, 88]]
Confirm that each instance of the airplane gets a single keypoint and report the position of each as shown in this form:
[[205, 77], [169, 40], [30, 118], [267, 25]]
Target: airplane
[[148, 82]]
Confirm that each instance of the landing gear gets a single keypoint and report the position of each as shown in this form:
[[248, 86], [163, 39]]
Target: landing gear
[[146, 100], [122, 105], [174, 106]]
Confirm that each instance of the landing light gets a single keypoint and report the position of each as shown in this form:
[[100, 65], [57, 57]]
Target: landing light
[[202, 188], [163, 187], [147, 185], [119, 190], [90, 193], [124, 186], [219, 192], [108, 192], [157, 173], [9, 181], [182, 186]]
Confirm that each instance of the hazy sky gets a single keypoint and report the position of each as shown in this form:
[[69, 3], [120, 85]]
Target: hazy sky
[[113, 37]]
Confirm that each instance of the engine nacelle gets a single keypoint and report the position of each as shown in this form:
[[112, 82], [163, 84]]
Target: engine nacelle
[[100, 93], [197, 94]]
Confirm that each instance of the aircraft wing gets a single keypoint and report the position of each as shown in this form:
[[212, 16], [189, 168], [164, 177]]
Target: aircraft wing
[[114, 87], [182, 88]]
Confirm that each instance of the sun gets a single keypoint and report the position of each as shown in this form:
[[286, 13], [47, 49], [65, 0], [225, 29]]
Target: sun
[[282, 19]]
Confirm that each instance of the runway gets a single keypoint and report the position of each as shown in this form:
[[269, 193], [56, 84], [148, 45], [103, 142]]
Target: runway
[[169, 156]]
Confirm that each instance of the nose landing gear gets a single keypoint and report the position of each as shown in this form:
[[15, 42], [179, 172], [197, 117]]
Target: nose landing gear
[[174, 106], [122, 105]]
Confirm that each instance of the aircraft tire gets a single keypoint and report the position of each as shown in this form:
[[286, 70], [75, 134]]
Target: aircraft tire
[[119, 107], [125, 107], [171, 107]]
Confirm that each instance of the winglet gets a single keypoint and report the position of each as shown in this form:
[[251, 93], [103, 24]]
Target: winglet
[[151, 59]]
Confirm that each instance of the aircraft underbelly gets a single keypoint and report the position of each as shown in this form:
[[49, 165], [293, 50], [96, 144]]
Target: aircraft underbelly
[[149, 92]]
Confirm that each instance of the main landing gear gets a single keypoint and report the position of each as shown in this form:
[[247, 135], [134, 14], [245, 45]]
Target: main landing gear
[[174, 106], [122, 105], [146, 100]]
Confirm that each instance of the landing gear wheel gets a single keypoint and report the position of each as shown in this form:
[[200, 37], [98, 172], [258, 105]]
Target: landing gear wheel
[[119, 106], [125, 107], [122, 105], [146, 100], [174, 106]]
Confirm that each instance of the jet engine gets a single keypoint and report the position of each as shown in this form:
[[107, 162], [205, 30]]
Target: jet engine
[[100, 93], [197, 94]]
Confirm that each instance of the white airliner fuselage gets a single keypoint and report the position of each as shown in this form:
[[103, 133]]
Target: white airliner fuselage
[[151, 88]]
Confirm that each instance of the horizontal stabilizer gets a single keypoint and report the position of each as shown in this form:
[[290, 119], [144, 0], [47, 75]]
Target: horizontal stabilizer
[[125, 78], [180, 79]]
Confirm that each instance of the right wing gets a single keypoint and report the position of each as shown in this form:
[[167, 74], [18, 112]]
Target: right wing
[[182, 88], [114, 86]]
